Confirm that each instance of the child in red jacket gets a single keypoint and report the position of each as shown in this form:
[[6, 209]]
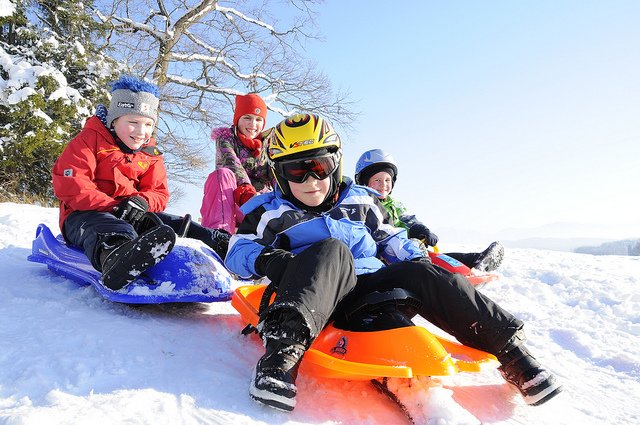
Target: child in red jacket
[[109, 176]]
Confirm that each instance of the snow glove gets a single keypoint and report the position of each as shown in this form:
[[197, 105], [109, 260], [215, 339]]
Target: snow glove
[[420, 231], [272, 263], [243, 193], [131, 209]]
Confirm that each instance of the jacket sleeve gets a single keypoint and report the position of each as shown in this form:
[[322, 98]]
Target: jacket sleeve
[[246, 245], [226, 157], [153, 186], [73, 177], [393, 243]]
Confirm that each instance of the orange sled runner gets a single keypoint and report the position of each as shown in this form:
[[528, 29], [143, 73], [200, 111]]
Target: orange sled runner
[[401, 352]]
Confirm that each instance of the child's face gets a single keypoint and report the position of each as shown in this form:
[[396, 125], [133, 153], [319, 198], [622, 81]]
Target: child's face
[[312, 192], [382, 183], [133, 130], [250, 125]]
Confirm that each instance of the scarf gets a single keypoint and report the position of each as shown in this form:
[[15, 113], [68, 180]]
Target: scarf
[[254, 145]]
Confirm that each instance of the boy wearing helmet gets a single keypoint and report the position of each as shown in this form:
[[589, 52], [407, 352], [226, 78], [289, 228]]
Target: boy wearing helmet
[[317, 238], [378, 170]]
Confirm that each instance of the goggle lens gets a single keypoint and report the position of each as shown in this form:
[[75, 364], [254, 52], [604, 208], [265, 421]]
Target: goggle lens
[[299, 170]]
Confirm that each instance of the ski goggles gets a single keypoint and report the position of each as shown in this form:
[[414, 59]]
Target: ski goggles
[[299, 170]]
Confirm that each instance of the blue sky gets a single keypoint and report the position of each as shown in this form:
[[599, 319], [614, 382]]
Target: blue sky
[[500, 114]]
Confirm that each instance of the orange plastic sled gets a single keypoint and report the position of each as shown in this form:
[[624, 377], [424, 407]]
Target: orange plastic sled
[[396, 353]]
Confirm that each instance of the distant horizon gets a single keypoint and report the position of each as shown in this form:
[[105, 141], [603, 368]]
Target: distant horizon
[[565, 233]]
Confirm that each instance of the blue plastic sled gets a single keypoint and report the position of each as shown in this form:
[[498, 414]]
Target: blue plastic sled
[[192, 272]]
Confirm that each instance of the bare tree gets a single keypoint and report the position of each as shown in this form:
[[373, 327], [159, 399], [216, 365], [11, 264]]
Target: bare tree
[[202, 53]]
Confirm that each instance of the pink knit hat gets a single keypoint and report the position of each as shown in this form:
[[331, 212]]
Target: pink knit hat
[[249, 104]]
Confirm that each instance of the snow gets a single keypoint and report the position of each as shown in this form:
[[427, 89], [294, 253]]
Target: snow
[[23, 78], [7, 8], [68, 356], [20, 95]]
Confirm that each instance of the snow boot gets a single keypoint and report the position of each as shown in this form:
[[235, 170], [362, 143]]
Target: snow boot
[[522, 370], [123, 263], [491, 258], [274, 377]]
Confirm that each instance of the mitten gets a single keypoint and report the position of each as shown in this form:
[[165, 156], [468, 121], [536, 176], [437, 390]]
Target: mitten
[[272, 263], [243, 193], [131, 209], [420, 231], [220, 241]]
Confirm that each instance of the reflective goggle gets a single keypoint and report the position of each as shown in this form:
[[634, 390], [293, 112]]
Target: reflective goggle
[[299, 170]]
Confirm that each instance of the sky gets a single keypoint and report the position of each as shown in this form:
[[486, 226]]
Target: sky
[[517, 115], [68, 356]]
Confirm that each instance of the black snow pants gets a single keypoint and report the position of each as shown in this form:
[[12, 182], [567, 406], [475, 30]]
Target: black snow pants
[[469, 259], [89, 229], [321, 281]]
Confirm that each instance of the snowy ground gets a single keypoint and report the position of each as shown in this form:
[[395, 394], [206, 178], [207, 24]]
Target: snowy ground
[[68, 357]]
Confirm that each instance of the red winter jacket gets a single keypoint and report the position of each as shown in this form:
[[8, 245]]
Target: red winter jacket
[[92, 173]]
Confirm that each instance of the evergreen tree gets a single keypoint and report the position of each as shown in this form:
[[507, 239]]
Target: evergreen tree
[[51, 76]]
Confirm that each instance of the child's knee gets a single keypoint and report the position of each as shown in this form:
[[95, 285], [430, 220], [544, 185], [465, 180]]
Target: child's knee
[[333, 246]]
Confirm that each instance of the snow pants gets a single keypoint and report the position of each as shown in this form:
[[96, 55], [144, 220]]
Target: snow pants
[[466, 258], [219, 210], [321, 282], [89, 229]]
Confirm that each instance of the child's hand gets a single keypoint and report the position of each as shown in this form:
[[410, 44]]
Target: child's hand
[[420, 231], [273, 263], [131, 209], [243, 193]]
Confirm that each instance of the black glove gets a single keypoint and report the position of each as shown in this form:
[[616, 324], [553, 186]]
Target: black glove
[[272, 263], [131, 209], [420, 231], [220, 242]]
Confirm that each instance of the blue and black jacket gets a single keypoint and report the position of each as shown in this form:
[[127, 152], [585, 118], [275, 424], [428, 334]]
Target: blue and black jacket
[[357, 219]]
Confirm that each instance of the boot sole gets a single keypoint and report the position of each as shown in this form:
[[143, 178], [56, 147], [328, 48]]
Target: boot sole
[[270, 399], [491, 262], [543, 396]]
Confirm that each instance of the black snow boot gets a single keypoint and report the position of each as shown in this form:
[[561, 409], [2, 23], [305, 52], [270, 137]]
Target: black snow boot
[[536, 384], [286, 339], [123, 263], [491, 258]]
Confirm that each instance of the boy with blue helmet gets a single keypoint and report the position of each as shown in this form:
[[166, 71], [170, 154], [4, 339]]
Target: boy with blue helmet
[[378, 170]]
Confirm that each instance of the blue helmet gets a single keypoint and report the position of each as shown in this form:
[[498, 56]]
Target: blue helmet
[[373, 161]]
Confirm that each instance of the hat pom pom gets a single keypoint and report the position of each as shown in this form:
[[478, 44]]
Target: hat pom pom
[[127, 82]]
